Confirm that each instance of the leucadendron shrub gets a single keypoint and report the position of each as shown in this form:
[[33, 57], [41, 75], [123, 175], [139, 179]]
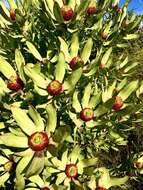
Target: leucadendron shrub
[[66, 107]]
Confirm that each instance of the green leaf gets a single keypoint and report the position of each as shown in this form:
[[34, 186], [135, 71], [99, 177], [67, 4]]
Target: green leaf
[[123, 63], [89, 162], [82, 7], [106, 181], [40, 91], [23, 163], [52, 118], [37, 78], [33, 50], [60, 178], [75, 154], [74, 118], [23, 120], [107, 94], [64, 49], [3, 86], [57, 12], [87, 50], [72, 4], [74, 46], [3, 160], [95, 100], [4, 178], [101, 110], [122, 84], [6, 69], [123, 16], [131, 36], [36, 118], [36, 165], [140, 90], [20, 182], [86, 96], [11, 140], [20, 62], [75, 103], [37, 179], [128, 90], [118, 181], [71, 81], [127, 69], [50, 5], [106, 56], [65, 157], [60, 68]]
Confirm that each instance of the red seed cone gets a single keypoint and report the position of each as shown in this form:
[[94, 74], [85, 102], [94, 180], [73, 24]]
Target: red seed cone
[[101, 188], [86, 114], [119, 10], [54, 87], [67, 12], [12, 15], [38, 141], [44, 188], [15, 83], [102, 66], [118, 103], [71, 171], [76, 62], [91, 10], [104, 35]]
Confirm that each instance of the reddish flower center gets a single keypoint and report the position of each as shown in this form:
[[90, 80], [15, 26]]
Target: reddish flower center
[[15, 83], [91, 10], [45, 188], [12, 15], [101, 188], [67, 12], [118, 103], [71, 170], [87, 114], [104, 35], [76, 62], [54, 87], [38, 141]]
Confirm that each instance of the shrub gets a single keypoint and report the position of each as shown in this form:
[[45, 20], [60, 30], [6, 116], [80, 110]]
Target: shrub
[[67, 107]]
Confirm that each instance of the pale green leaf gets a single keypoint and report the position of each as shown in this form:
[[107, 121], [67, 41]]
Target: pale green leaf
[[64, 49], [22, 119], [75, 103], [52, 118], [36, 118], [87, 50], [60, 178], [128, 90], [60, 68], [36, 165], [86, 96], [106, 56], [71, 81], [6, 69], [74, 46], [11, 140], [33, 50]]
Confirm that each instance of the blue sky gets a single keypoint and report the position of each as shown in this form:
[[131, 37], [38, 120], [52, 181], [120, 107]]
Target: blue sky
[[136, 5]]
